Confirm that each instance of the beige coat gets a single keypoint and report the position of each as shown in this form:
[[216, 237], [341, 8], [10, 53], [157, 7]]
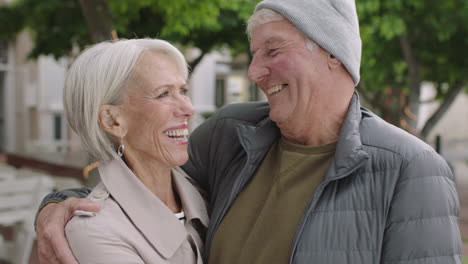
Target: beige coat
[[134, 226]]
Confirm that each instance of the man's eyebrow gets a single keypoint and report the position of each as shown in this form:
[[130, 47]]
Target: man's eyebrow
[[269, 41], [272, 40]]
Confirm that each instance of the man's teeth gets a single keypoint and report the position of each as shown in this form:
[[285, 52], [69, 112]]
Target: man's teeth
[[178, 134], [275, 89]]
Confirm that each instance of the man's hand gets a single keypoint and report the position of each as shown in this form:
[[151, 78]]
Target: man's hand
[[51, 242]]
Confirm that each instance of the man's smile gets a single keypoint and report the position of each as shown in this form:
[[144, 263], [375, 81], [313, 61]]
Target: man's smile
[[276, 89]]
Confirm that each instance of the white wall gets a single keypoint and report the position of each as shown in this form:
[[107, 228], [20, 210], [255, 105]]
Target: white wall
[[453, 128], [51, 79], [454, 124], [9, 103], [202, 84]]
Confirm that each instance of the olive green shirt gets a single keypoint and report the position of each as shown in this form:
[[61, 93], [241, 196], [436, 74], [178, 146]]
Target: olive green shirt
[[261, 224]]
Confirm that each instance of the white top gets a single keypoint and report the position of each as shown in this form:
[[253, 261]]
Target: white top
[[181, 216]]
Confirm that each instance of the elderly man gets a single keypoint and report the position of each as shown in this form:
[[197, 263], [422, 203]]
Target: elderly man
[[310, 176]]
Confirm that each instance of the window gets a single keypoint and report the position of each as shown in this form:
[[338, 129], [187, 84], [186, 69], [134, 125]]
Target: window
[[220, 92], [3, 52], [2, 111], [3, 66], [57, 127], [253, 92]]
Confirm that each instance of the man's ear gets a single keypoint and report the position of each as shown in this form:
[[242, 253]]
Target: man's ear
[[333, 62], [112, 120]]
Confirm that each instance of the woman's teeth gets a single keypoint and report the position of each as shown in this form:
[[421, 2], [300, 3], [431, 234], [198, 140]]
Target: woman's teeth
[[178, 134], [275, 89]]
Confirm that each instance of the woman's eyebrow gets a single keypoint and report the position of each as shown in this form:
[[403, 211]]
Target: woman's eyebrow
[[162, 86]]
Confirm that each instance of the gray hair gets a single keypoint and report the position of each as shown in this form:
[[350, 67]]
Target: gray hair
[[266, 15], [99, 76]]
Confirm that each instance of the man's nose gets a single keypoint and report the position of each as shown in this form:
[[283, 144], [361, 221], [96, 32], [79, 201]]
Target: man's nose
[[257, 70]]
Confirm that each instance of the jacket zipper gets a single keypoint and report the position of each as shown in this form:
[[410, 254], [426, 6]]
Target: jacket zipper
[[313, 203]]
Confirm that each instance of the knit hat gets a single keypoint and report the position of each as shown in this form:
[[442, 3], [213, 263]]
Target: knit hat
[[332, 24]]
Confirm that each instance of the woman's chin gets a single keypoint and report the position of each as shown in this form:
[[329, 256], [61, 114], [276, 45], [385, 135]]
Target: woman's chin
[[179, 161]]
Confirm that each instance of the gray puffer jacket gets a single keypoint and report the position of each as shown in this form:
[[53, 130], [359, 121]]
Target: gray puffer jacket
[[387, 198]]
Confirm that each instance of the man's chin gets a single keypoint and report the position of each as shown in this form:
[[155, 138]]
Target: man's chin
[[277, 116]]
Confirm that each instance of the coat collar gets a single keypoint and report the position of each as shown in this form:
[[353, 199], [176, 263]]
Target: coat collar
[[349, 153], [148, 213], [193, 203]]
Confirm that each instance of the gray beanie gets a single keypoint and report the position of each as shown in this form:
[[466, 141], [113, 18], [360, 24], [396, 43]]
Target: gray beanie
[[332, 24]]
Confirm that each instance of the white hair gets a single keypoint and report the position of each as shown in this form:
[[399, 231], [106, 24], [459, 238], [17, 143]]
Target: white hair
[[266, 15], [99, 76]]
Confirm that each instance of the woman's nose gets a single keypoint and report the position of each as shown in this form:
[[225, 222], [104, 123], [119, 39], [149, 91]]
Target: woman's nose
[[185, 107]]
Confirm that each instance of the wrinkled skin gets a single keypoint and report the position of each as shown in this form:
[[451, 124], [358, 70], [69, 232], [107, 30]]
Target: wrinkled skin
[[51, 242]]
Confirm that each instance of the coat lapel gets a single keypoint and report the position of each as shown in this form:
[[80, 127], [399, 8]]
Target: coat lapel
[[150, 215], [193, 203]]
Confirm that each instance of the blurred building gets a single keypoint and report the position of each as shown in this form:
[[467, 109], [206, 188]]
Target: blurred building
[[452, 129], [31, 115], [218, 80], [31, 110]]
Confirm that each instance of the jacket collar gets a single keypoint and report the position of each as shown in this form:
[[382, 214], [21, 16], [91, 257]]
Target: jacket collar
[[349, 153], [258, 138], [148, 213]]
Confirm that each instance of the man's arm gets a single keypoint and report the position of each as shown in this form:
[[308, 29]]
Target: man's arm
[[55, 211], [56, 197], [422, 225], [199, 153]]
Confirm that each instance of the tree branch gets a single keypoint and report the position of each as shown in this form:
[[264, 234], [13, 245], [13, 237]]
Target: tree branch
[[428, 101], [410, 58], [196, 61], [98, 18], [444, 106], [413, 74], [371, 99]]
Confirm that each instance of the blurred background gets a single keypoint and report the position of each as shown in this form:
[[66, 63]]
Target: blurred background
[[414, 74]]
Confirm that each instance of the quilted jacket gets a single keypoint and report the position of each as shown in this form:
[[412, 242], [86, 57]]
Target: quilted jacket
[[388, 197]]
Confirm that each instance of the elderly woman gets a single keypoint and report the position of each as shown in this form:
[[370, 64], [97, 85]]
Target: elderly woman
[[128, 101]]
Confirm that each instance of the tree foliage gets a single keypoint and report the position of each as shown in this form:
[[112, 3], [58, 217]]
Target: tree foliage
[[56, 25], [206, 24], [406, 43], [59, 25]]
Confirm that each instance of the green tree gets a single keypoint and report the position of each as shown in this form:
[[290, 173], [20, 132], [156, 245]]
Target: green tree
[[406, 43], [59, 26]]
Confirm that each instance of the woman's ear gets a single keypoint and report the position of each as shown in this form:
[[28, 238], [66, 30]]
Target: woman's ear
[[333, 62], [112, 120]]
